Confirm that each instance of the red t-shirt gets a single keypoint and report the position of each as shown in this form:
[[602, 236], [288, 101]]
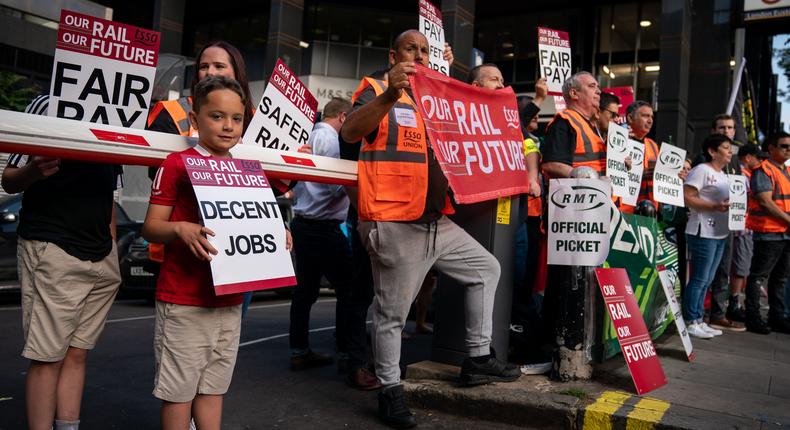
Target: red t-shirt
[[183, 279]]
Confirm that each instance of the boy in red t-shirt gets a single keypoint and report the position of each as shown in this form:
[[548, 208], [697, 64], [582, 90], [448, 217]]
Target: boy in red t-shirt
[[196, 336]]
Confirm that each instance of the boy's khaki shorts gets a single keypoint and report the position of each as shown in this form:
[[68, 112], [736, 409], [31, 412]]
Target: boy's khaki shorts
[[65, 300], [195, 350]]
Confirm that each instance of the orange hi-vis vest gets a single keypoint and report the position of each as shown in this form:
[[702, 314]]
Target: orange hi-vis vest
[[590, 147], [759, 219], [651, 157], [179, 112], [393, 168]]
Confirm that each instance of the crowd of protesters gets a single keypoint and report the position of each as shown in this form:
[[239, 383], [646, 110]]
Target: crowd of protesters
[[399, 234]]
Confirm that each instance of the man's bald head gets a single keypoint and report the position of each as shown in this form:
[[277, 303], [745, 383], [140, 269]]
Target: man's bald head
[[411, 45]]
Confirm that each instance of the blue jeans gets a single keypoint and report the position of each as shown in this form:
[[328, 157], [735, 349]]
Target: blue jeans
[[705, 256]]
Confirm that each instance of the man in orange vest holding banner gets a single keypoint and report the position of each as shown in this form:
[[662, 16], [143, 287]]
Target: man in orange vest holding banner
[[572, 139], [769, 219], [401, 203], [639, 115]]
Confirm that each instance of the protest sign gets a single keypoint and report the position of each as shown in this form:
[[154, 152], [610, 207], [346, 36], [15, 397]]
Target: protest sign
[[635, 174], [236, 202], [475, 133], [431, 26], [103, 71], [638, 350], [617, 150], [738, 201], [667, 186], [554, 56], [667, 278], [578, 221], [285, 115]]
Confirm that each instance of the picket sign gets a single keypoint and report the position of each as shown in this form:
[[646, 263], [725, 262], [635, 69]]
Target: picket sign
[[22, 133]]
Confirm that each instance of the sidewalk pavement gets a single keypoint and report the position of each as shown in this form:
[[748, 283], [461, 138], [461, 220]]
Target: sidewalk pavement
[[737, 381]]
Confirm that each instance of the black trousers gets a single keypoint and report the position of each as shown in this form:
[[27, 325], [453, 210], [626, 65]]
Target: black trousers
[[321, 250], [360, 299], [771, 267]]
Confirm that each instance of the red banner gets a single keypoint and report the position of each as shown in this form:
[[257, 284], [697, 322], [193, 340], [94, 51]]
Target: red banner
[[638, 350], [475, 134]]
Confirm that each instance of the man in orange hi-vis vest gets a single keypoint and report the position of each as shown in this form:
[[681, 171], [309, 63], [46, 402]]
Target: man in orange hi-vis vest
[[402, 203], [769, 219], [572, 138]]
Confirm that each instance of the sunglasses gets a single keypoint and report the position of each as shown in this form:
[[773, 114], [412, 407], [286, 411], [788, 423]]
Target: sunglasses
[[614, 114], [784, 146]]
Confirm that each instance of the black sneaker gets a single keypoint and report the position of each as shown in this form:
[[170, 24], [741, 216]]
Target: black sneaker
[[393, 410], [310, 360], [781, 326], [757, 325], [492, 370], [736, 314]]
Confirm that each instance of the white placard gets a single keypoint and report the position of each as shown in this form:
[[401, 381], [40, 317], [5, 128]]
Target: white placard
[[738, 202], [579, 212], [635, 174], [617, 150], [103, 71], [431, 26], [554, 57], [667, 186], [668, 278], [236, 202], [285, 115]]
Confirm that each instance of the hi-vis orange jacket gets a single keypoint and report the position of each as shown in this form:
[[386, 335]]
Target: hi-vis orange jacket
[[590, 148], [178, 110], [759, 219], [393, 168], [651, 158]]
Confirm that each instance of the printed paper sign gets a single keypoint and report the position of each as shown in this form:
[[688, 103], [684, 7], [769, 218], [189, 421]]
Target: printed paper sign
[[667, 186], [554, 56], [638, 350], [617, 150], [475, 133], [431, 27], [738, 201], [667, 278], [635, 174], [285, 115], [237, 204], [578, 221], [103, 71]]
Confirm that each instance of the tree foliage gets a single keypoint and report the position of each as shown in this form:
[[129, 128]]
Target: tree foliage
[[15, 91]]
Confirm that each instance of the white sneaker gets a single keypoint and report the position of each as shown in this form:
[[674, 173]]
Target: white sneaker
[[711, 330], [696, 330], [536, 368]]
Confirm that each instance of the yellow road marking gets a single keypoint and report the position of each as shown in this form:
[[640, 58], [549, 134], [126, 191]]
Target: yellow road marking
[[646, 414], [598, 415]]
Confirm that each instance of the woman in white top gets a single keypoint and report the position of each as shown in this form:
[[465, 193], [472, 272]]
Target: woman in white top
[[706, 192]]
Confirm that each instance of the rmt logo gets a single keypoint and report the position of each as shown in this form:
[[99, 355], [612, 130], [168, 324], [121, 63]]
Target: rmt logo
[[672, 159], [637, 154], [737, 188], [580, 197], [618, 142]]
